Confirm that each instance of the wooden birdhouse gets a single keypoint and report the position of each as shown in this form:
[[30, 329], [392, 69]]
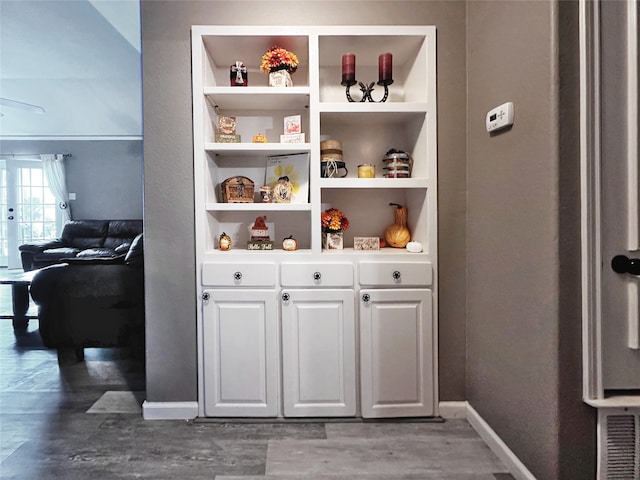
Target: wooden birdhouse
[[237, 190]]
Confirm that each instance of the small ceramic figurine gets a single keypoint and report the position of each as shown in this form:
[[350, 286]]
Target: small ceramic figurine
[[259, 138], [283, 190]]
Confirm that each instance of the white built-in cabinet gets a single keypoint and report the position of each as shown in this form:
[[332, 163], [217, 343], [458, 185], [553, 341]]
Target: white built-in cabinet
[[311, 332]]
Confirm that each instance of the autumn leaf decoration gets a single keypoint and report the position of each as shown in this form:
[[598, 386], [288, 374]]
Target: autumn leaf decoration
[[333, 220], [278, 58]]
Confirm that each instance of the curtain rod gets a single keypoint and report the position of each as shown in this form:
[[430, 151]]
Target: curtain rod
[[30, 154]]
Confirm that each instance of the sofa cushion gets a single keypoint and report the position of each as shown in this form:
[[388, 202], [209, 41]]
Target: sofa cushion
[[122, 231], [85, 233], [54, 254], [97, 253]]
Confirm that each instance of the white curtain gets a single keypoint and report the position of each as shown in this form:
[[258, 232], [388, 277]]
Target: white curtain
[[55, 174]]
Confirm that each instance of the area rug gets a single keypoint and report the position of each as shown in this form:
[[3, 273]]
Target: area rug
[[118, 402]]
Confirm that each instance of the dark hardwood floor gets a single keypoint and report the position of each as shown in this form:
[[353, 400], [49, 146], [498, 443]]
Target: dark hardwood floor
[[56, 422]]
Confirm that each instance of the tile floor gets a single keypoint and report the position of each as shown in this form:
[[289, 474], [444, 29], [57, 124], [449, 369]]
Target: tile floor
[[60, 419]]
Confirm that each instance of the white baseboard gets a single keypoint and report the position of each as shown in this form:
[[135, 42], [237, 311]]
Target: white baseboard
[[453, 409], [495, 443], [169, 410]]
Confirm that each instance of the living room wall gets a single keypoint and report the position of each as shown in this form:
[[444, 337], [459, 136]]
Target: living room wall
[[105, 175]]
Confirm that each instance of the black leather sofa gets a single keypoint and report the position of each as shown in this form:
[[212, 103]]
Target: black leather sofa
[[92, 302], [86, 239]]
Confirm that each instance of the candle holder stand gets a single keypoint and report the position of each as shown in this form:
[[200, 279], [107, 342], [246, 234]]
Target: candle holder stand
[[366, 90]]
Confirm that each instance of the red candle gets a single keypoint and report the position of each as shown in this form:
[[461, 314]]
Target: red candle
[[348, 68], [385, 68]]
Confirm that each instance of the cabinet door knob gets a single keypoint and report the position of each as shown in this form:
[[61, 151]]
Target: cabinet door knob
[[237, 275], [285, 297], [366, 297], [206, 296], [396, 275], [317, 276]]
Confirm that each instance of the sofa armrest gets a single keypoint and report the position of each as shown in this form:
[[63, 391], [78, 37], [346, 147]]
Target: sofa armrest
[[116, 260], [39, 247]]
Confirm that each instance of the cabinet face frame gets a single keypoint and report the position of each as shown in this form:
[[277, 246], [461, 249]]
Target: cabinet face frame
[[408, 120]]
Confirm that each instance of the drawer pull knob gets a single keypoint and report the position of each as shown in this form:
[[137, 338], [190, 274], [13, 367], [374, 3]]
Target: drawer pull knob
[[206, 296], [237, 276], [317, 276], [285, 297], [396, 275], [366, 297]]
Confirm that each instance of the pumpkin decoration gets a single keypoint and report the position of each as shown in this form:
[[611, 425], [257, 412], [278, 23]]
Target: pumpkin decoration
[[398, 235], [259, 138], [290, 243], [224, 242]]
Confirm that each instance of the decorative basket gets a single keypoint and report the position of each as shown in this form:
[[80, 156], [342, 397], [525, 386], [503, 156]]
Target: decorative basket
[[237, 190]]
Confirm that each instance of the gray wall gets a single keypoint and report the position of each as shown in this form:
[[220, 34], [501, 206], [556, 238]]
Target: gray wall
[[523, 265], [106, 175], [508, 209], [169, 215]]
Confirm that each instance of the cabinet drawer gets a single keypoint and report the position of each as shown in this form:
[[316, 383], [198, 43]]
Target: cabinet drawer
[[396, 273], [239, 274], [317, 275]]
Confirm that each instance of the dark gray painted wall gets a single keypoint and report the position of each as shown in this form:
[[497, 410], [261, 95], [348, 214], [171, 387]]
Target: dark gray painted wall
[[169, 215], [523, 210], [106, 175]]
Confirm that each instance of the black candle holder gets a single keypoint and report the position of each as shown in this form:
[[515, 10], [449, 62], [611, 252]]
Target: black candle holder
[[366, 90]]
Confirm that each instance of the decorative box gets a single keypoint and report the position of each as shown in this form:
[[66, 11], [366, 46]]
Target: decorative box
[[237, 190], [292, 138], [238, 75], [227, 138], [366, 243]]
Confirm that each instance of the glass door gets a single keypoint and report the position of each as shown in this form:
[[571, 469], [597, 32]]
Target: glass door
[[29, 209]]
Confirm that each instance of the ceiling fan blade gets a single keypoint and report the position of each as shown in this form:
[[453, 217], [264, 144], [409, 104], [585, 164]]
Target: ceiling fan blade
[[6, 102]]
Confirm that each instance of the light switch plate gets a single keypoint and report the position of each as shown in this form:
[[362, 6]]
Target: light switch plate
[[500, 117]]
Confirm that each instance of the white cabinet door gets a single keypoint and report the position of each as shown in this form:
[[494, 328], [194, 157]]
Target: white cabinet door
[[318, 353], [240, 353], [396, 353]]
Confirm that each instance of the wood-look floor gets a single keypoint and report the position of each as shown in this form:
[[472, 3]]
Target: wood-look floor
[[46, 432]]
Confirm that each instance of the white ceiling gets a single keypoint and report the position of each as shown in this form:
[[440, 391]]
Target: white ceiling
[[77, 59]]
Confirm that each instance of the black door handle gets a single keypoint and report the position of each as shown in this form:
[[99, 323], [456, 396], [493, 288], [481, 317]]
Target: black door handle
[[624, 264]]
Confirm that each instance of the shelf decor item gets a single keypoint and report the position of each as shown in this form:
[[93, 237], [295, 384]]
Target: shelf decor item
[[279, 64], [237, 189], [226, 130], [397, 164], [260, 239], [224, 242], [331, 164], [259, 138], [238, 75], [334, 223], [288, 175], [398, 234], [289, 244], [385, 77]]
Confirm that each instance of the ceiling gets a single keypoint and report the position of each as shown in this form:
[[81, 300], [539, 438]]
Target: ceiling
[[79, 60]]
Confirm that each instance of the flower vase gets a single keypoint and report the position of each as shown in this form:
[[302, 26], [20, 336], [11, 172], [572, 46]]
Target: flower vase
[[332, 240], [280, 78]]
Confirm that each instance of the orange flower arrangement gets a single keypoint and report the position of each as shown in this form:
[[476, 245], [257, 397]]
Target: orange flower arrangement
[[279, 59], [333, 220]]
